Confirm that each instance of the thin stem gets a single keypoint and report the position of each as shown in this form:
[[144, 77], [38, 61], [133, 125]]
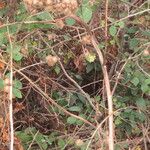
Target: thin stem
[[11, 95]]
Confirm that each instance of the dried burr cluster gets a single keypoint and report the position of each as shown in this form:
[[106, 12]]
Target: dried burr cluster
[[56, 6]]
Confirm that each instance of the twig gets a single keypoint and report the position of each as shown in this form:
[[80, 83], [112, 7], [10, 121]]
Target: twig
[[147, 74], [11, 95], [118, 77], [33, 140], [99, 126]]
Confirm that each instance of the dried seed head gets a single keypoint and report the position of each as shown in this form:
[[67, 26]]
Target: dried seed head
[[7, 89], [7, 81], [60, 24], [79, 142], [51, 60], [146, 52], [86, 39], [56, 6]]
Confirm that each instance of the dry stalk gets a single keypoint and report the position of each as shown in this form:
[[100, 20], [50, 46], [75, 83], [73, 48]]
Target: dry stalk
[[106, 78], [11, 95]]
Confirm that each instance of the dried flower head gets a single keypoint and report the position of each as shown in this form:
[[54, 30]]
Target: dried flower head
[[51, 60], [56, 6]]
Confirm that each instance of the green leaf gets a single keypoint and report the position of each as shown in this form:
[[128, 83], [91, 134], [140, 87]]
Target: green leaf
[[140, 102], [90, 57], [17, 56], [41, 141], [133, 43], [75, 108], [141, 116], [132, 30], [113, 30], [3, 39], [147, 81], [70, 21], [44, 145], [135, 81], [121, 24], [71, 120], [23, 136], [89, 67], [81, 98], [17, 84], [61, 143], [57, 69], [79, 77], [17, 93], [118, 121], [86, 13], [85, 2], [146, 33], [145, 87], [1, 83], [97, 98], [44, 16], [80, 122]]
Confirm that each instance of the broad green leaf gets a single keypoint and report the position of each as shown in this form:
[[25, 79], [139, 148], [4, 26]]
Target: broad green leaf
[[71, 120], [23, 136], [17, 93], [79, 77], [97, 98], [41, 141], [44, 16], [1, 83], [57, 69], [70, 21], [82, 98], [141, 116], [61, 143], [132, 30], [85, 2], [145, 87], [17, 56], [3, 39], [146, 33], [17, 84], [75, 108], [80, 122], [113, 30], [89, 67], [135, 81], [133, 43], [44, 145], [118, 121], [121, 24], [86, 13], [140, 102], [147, 81]]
